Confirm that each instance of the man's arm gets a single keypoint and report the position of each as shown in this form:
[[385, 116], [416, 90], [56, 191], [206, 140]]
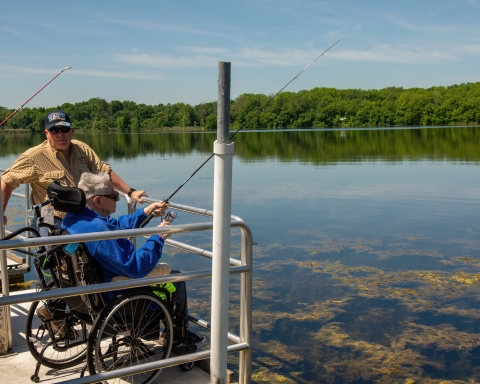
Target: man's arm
[[96, 165], [6, 193], [119, 184]]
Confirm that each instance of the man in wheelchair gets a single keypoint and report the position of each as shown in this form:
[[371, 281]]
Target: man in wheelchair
[[118, 257]]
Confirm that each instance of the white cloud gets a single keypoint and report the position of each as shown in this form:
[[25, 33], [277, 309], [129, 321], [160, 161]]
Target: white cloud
[[10, 69], [414, 54], [285, 57], [434, 29], [147, 25], [10, 29], [398, 54], [167, 61], [121, 75], [475, 3], [204, 50], [208, 57], [324, 12], [469, 49], [7, 69]]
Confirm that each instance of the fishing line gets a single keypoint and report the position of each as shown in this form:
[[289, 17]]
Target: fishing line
[[36, 93], [147, 220]]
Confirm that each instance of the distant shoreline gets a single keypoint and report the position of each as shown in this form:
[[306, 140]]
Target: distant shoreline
[[22, 131], [114, 130]]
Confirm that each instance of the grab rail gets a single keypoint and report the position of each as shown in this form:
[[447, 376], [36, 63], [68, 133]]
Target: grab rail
[[241, 342]]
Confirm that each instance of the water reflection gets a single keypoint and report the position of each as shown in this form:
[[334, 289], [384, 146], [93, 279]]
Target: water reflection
[[366, 268], [316, 146]]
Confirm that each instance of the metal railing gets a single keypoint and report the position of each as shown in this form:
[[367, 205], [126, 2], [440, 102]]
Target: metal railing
[[239, 343]]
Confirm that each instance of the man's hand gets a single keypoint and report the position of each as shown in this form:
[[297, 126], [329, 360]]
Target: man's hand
[[158, 209], [165, 235], [137, 196]]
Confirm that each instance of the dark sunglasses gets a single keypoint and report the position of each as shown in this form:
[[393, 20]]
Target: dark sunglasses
[[115, 196], [55, 130]]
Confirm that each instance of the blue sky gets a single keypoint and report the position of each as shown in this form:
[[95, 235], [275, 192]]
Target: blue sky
[[168, 51]]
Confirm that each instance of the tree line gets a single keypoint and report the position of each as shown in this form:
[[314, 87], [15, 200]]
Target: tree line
[[315, 108], [311, 146]]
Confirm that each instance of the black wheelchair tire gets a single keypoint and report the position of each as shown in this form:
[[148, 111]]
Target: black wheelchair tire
[[187, 366], [107, 343], [55, 360]]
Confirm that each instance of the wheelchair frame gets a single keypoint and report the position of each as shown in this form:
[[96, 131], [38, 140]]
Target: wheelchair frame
[[133, 328]]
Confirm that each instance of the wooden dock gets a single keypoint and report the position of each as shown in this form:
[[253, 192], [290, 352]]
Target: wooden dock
[[16, 263], [17, 267]]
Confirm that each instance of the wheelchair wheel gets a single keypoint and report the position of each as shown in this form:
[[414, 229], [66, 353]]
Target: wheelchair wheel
[[187, 366], [62, 353], [133, 329]]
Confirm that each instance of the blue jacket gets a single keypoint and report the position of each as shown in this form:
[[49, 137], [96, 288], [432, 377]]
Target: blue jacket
[[117, 256]]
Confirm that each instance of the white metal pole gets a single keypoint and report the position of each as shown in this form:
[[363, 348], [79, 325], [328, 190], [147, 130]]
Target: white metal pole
[[222, 207]]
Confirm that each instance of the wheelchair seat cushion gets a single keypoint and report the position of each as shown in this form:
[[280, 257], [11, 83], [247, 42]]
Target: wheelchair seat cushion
[[159, 270], [164, 291]]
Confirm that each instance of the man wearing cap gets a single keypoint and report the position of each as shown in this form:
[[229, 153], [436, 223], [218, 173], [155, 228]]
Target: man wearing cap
[[59, 158]]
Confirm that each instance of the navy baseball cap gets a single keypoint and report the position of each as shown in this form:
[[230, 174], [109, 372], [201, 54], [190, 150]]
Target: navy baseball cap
[[57, 118]]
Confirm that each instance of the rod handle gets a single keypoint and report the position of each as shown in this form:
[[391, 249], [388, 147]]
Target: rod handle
[[147, 220]]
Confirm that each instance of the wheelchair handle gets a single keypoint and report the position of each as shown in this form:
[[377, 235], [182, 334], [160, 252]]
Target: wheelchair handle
[[36, 208]]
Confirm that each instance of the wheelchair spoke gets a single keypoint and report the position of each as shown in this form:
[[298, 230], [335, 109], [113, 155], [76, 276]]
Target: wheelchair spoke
[[132, 330], [153, 318]]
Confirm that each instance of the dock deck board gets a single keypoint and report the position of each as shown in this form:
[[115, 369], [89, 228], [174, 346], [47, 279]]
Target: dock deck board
[[16, 263]]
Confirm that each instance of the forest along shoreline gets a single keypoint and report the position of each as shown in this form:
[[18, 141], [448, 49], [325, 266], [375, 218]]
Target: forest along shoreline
[[314, 108]]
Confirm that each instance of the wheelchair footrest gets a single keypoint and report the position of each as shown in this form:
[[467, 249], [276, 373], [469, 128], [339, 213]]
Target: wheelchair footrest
[[190, 346]]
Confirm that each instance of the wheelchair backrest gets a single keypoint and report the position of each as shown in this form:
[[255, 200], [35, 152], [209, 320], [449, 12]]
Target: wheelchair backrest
[[76, 267], [66, 199]]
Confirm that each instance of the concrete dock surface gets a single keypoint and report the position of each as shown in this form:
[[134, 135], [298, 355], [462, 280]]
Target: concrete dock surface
[[19, 365]]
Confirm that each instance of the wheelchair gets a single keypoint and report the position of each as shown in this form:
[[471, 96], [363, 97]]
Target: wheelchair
[[135, 327]]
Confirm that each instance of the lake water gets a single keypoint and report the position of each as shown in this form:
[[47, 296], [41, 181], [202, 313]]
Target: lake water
[[367, 265]]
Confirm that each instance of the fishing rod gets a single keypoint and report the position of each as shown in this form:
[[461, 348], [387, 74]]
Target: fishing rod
[[147, 220], [19, 108]]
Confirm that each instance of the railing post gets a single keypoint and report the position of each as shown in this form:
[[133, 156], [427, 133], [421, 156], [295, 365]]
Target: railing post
[[222, 206], [245, 361], [5, 327], [27, 204], [131, 207]]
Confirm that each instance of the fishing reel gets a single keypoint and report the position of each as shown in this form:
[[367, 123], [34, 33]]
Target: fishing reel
[[170, 216]]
